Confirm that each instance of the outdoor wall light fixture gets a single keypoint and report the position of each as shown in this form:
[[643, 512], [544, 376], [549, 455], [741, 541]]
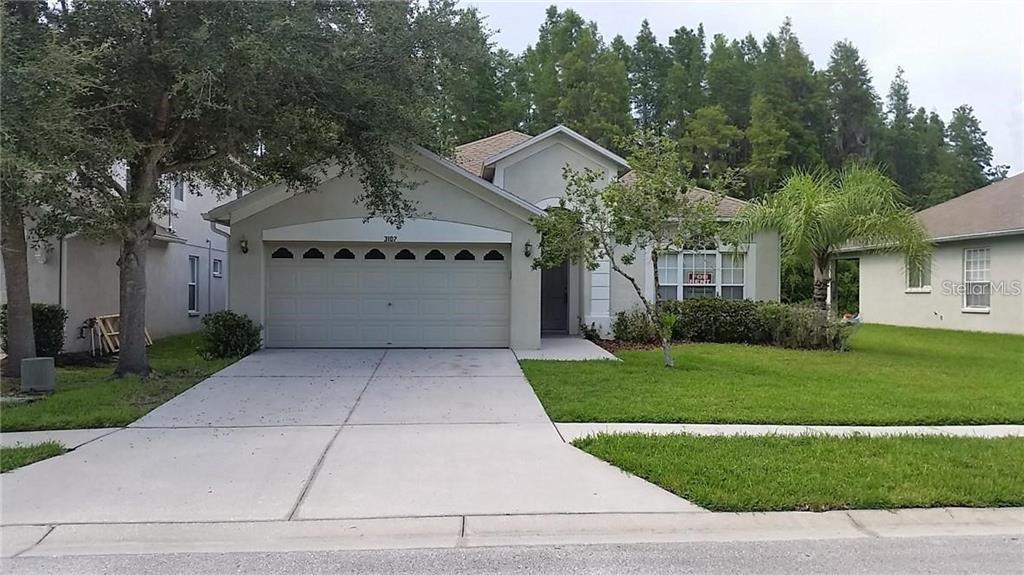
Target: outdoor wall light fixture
[[528, 249], [244, 246]]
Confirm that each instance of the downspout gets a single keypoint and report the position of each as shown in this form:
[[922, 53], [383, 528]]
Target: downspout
[[227, 278], [209, 276]]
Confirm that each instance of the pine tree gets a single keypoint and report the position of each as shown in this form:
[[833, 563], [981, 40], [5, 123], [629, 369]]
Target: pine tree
[[729, 80], [768, 139], [648, 67], [853, 105], [707, 143], [685, 81], [972, 153]]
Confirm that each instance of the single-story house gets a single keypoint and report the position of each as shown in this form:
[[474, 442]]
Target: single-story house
[[186, 273], [975, 280], [314, 272]]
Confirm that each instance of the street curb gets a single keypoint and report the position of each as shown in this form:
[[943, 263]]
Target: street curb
[[501, 530]]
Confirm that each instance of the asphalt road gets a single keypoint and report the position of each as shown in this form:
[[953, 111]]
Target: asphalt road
[[934, 555]]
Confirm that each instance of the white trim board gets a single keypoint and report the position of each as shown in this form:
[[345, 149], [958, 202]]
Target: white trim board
[[376, 230]]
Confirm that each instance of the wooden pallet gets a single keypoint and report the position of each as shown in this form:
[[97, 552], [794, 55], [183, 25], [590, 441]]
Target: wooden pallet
[[109, 328]]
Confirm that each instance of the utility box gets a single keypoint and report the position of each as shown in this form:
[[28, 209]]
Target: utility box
[[38, 375]]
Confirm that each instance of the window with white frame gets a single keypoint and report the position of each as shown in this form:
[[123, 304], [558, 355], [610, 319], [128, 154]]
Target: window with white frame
[[178, 192], [193, 284], [699, 274], [732, 275], [218, 268], [668, 276], [919, 275], [977, 278]]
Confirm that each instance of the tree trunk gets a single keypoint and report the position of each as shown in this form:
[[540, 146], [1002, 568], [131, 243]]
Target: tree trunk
[[821, 284], [664, 331], [132, 359], [21, 342]]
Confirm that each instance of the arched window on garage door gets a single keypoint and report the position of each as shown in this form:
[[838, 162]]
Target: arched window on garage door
[[493, 256], [405, 255], [313, 254], [344, 254], [374, 254], [434, 255], [464, 255], [281, 254]]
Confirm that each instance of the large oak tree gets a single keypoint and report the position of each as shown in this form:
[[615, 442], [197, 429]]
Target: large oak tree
[[236, 94]]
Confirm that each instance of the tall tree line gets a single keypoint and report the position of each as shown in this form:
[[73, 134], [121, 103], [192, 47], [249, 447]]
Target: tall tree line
[[745, 112]]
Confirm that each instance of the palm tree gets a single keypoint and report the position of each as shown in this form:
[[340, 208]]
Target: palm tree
[[818, 212]]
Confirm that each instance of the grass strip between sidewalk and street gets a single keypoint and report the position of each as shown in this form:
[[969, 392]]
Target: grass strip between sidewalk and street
[[819, 473], [12, 458], [91, 397], [891, 376]]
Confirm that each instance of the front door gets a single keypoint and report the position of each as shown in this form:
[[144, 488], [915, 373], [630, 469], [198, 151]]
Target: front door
[[554, 300]]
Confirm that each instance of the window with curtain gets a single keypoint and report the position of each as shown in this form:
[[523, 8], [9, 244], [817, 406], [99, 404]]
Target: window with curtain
[[732, 275], [698, 275], [977, 278], [668, 276]]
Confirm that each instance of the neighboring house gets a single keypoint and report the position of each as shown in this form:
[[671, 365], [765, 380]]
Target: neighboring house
[[315, 274], [976, 275], [186, 273]]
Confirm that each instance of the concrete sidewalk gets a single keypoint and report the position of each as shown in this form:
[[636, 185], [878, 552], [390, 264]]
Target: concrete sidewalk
[[573, 431], [500, 530]]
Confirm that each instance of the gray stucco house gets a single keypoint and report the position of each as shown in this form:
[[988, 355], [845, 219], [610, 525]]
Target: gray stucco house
[[186, 273], [975, 280], [314, 274]]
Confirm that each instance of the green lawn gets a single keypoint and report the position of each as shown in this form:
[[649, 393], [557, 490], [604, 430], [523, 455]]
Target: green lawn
[[817, 473], [14, 457], [88, 397], [891, 376]]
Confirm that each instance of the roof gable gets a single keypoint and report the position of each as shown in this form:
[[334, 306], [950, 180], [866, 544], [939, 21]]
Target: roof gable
[[472, 155], [266, 197], [558, 130]]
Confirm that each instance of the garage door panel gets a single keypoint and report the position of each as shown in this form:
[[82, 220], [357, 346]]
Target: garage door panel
[[345, 303]]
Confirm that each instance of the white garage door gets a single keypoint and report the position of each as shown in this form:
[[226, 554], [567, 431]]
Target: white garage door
[[387, 295]]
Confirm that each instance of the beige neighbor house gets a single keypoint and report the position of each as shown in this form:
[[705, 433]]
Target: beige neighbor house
[[975, 280], [315, 274], [186, 273]]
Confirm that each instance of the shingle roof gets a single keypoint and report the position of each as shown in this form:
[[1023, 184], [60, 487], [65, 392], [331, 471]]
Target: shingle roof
[[471, 155], [727, 206], [998, 207]]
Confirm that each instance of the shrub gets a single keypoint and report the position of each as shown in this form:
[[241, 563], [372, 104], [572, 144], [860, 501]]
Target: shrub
[[634, 326], [804, 327], [47, 328], [714, 320], [590, 332], [718, 321], [229, 334]]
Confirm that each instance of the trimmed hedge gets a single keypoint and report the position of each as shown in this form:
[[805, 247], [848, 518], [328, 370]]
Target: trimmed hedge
[[47, 326], [715, 320], [228, 334]]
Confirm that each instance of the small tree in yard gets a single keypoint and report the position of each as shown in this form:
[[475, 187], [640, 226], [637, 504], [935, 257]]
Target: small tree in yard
[[819, 212], [647, 212]]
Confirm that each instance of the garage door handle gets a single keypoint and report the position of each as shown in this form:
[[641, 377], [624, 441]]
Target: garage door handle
[[389, 304]]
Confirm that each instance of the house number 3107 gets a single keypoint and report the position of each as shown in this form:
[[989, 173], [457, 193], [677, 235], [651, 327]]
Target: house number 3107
[[390, 238]]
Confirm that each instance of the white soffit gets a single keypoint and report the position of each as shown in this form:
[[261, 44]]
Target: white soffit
[[377, 230]]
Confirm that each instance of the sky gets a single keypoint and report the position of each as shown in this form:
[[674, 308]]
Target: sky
[[952, 53]]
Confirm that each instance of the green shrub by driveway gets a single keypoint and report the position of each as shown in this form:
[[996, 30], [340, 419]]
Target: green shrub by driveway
[[90, 397], [47, 326], [892, 376], [12, 458], [229, 334], [817, 473]]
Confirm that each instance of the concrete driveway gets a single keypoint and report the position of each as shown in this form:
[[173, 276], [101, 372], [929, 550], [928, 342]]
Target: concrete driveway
[[316, 434]]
